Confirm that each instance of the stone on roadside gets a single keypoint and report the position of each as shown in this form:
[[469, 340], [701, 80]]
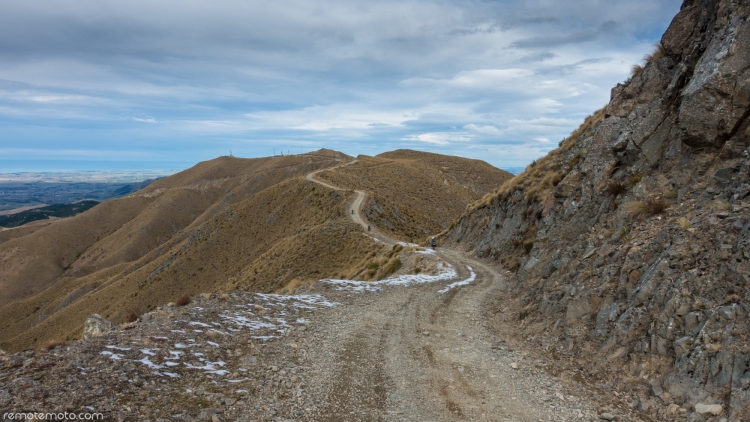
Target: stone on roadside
[[514, 365], [656, 389], [711, 409], [607, 417], [95, 326], [643, 406]]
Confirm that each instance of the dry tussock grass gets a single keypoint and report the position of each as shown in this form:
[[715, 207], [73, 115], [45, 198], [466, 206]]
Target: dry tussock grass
[[615, 188], [306, 232], [291, 286], [635, 179], [541, 176], [656, 54], [720, 206], [650, 206], [415, 194]]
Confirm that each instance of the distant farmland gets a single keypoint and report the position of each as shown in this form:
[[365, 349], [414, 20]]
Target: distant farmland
[[43, 213]]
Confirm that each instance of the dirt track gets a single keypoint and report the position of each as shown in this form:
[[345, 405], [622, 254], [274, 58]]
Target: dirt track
[[411, 353]]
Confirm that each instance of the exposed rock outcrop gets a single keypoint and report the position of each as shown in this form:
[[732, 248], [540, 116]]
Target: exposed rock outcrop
[[95, 326], [631, 242]]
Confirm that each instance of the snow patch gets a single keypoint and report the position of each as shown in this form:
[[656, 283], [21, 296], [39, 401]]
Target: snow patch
[[444, 273], [113, 356], [472, 277], [146, 361]]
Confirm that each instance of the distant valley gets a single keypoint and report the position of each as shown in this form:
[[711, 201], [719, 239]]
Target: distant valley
[[20, 191]]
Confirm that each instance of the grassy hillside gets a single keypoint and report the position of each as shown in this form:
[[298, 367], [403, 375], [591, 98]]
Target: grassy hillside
[[224, 224], [415, 194], [116, 246]]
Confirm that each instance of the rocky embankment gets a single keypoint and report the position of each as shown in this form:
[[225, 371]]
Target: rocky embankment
[[631, 243]]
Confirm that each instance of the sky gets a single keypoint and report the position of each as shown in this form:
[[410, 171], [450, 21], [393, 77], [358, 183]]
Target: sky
[[105, 85]]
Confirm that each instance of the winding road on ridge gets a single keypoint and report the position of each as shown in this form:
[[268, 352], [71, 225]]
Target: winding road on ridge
[[411, 353]]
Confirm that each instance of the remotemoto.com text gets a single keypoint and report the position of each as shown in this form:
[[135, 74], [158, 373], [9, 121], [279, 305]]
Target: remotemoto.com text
[[46, 416]]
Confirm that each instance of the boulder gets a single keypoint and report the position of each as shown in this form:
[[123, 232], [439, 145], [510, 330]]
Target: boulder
[[95, 326], [709, 409]]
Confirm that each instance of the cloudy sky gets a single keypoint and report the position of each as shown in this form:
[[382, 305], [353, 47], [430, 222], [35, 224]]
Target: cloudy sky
[[151, 84]]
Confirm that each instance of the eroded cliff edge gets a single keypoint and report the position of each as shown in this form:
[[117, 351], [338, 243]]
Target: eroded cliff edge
[[631, 242]]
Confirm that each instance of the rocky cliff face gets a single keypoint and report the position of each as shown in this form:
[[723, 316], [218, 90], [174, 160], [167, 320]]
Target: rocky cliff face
[[631, 242]]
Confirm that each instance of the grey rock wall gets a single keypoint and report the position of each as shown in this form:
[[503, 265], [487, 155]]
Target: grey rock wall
[[658, 301]]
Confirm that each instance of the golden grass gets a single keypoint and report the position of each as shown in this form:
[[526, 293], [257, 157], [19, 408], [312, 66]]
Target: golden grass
[[541, 176], [512, 263], [635, 179], [683, 222], [635, 208], [291, 286], [656, 54], [257, 228], [636, 70], [414, 194], [651, 205], [719, 206], [393, 265]]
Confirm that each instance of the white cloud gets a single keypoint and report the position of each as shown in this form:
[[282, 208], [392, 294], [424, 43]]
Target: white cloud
[[438, 138], [457, 77], [484, 130]]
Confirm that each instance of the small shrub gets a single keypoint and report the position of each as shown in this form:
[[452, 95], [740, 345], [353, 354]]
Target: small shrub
[[528, 245], [182, 300], [53, 344], [657, 204], [683, 222], [512, 263], [417, 270], [671, 194], [636, 70], [391, 267], [615, 188], [635, 179], [657, 54], [132, 316], [652, 205], [288, 289], [720, 206], [625, 233], [635, 208]]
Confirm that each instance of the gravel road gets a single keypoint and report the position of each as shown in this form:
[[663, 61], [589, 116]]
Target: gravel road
[[412, 353]]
